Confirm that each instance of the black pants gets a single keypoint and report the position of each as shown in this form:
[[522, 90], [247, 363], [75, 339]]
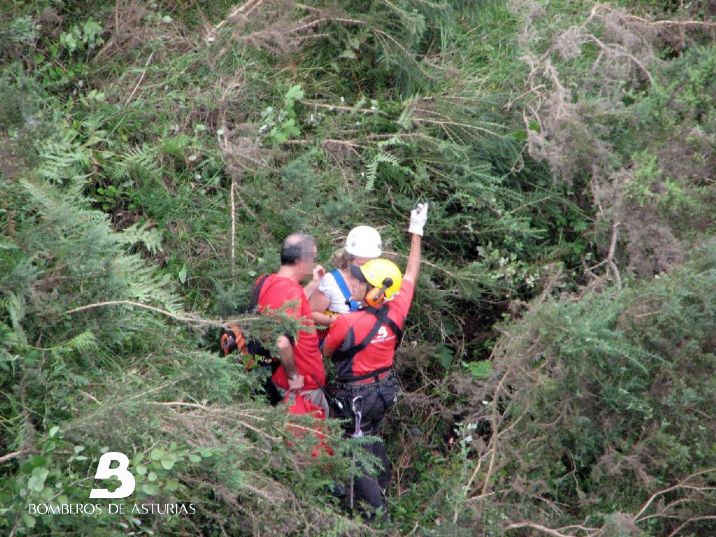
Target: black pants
[[372, 401]]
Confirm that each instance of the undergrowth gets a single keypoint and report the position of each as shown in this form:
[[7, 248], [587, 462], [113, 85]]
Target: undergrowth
[[557, 364]]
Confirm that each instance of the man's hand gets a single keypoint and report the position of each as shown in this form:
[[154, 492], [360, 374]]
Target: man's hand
[[285, 356], [318, 273], [418, 217], [310, 289], [295, 382]]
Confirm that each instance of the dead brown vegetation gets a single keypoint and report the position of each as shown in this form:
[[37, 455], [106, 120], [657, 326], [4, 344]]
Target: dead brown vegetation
[[569, 122]]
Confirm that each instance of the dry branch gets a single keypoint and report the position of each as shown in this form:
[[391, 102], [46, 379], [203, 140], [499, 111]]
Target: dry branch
[[186, 318], [244, 9], [11, 456], [683, 484], [141, 78], [689, 521], [538, 527], [232, 198]]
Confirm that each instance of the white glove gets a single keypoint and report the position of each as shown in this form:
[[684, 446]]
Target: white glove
[[418, 217]]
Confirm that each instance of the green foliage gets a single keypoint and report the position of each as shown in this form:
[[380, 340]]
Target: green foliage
[[82, 37], [371, 171], [614, 390], [480, 370], [22, 32], [281, 125], [122, 137]]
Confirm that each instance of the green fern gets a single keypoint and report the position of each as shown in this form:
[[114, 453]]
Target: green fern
[[138, 162], [105, 271], [83, 342], [14, 305], [393, 141], [371, 171], [151, 238], [63, 159], [405, 121]]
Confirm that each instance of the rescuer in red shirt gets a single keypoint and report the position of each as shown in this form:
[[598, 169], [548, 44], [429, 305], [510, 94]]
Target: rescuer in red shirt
[[300, 364], [362, 346]]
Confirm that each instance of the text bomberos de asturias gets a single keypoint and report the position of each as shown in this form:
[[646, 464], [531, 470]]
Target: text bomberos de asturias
[[112, 509]]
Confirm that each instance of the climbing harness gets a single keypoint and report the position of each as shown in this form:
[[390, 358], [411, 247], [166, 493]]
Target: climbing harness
[[343, 356], [357, 412]]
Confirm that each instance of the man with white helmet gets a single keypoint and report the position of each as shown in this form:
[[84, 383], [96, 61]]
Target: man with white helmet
[[362, 346], [338, 287]]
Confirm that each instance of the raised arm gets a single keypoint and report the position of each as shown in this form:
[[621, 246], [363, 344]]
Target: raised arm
[[418, 218], [413, 268]]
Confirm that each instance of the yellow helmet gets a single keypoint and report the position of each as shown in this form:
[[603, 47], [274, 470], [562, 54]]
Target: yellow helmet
[[380, 273]]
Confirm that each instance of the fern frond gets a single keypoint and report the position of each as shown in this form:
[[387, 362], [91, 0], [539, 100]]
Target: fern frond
[[411, 21], [63, 159], [151, 238], [83, 342], [138, 162], [406, 116], [105, 270], [393, 141], [146, 285], [15, 306], [371, 171]]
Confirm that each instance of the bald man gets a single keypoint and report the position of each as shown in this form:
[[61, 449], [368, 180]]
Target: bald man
[[299, 366]]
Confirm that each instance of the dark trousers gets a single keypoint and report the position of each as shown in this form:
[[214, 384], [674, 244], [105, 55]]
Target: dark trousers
[[371, 402], [368, 488]]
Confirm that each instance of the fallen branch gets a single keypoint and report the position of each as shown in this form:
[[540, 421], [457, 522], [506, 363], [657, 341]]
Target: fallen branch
[[663, 22], [244, 9], [11, 456], [331, 107], [495, 432], [139, 82], [538, 527], [609, 260], [619, 50], [233, 226], [317, 22], [689, 521], [680, 485], [191, 319]]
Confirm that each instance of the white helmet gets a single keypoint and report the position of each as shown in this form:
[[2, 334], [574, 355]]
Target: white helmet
[[363, 241]]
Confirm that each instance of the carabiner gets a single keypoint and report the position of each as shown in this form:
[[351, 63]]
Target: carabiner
[[357, 433]]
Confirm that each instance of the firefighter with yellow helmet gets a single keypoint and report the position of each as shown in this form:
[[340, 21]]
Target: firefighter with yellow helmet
[[362, 347]]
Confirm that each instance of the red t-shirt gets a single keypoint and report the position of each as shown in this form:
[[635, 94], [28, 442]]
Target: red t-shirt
[[380, 351], [275, 293]]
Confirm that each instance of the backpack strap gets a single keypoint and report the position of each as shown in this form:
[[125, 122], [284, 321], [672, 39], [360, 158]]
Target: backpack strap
[[256, 292], [382, 316], [254, 347], [346, 352], [352, 304], [349, 348]]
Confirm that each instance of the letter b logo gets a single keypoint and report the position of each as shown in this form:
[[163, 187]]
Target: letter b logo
[[120, 472]]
